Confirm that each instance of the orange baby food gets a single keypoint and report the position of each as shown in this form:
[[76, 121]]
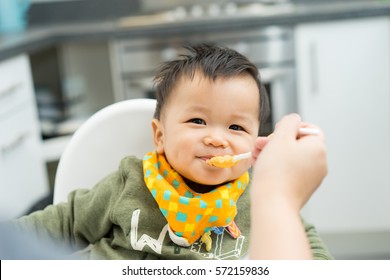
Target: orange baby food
[[221, 161]]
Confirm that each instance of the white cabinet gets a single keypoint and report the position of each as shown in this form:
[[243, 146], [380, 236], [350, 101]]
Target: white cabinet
[[23, 178], [85, 70], [343, 85]]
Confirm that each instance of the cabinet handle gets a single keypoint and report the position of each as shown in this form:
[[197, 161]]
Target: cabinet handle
[[313, 67], [14, 143], [10, 89]]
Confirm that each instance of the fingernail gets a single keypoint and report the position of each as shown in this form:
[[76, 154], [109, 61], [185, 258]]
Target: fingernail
[[297, 116]]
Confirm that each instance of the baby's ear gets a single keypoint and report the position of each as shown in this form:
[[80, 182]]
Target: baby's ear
[[158, 135]]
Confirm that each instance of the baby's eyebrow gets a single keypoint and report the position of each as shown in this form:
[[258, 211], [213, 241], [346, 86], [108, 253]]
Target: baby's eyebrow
[[242, 116], [197, 108]]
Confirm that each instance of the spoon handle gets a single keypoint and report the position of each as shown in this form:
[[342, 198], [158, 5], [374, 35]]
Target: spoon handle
[[308, 131], [242, 156]]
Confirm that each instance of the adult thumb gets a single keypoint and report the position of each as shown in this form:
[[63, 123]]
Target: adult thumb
[[288, 126]]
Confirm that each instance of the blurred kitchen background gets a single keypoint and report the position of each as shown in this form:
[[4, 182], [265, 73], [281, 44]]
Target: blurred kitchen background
[[62, 60]]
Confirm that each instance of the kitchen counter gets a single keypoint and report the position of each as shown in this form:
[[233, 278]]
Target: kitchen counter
[[34, 39]]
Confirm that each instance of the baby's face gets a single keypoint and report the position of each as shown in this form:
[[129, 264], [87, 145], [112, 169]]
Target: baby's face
[[205, 118]]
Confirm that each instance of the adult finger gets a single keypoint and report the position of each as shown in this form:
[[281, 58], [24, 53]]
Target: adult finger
[[288, 126]]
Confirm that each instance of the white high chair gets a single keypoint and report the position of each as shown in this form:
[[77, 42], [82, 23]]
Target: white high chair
[[96, 148]]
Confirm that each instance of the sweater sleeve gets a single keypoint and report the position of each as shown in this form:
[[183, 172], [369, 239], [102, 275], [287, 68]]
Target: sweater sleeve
[[82, 220], [318, 247]]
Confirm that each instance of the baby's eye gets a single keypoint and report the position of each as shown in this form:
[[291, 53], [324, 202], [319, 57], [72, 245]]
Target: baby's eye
[[236, 127], [197, 121]]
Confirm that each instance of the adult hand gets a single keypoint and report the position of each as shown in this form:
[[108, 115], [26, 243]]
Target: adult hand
[[287, 165], [288, 168]]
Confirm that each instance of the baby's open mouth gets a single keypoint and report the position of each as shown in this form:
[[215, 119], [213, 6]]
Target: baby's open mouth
[[206, 158]]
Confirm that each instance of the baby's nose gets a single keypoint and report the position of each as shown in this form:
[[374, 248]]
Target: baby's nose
[[216, 141]]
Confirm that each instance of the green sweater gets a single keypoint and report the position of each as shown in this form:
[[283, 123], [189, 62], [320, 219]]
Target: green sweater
[[119, 219]]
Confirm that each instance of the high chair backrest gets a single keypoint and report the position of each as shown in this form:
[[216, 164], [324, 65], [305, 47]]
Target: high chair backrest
[[96, 148]]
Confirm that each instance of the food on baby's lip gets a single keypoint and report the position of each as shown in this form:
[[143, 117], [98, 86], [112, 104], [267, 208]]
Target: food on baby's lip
[[228, 161], [221, 161]]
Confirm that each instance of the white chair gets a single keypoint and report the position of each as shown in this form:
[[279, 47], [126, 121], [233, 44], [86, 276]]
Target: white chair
[[96, 148]]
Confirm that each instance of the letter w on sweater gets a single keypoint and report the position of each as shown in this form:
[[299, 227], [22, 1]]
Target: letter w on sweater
[[139, 244]]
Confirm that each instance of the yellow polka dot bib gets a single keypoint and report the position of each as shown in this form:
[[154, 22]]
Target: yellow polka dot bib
[[190, 215]]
